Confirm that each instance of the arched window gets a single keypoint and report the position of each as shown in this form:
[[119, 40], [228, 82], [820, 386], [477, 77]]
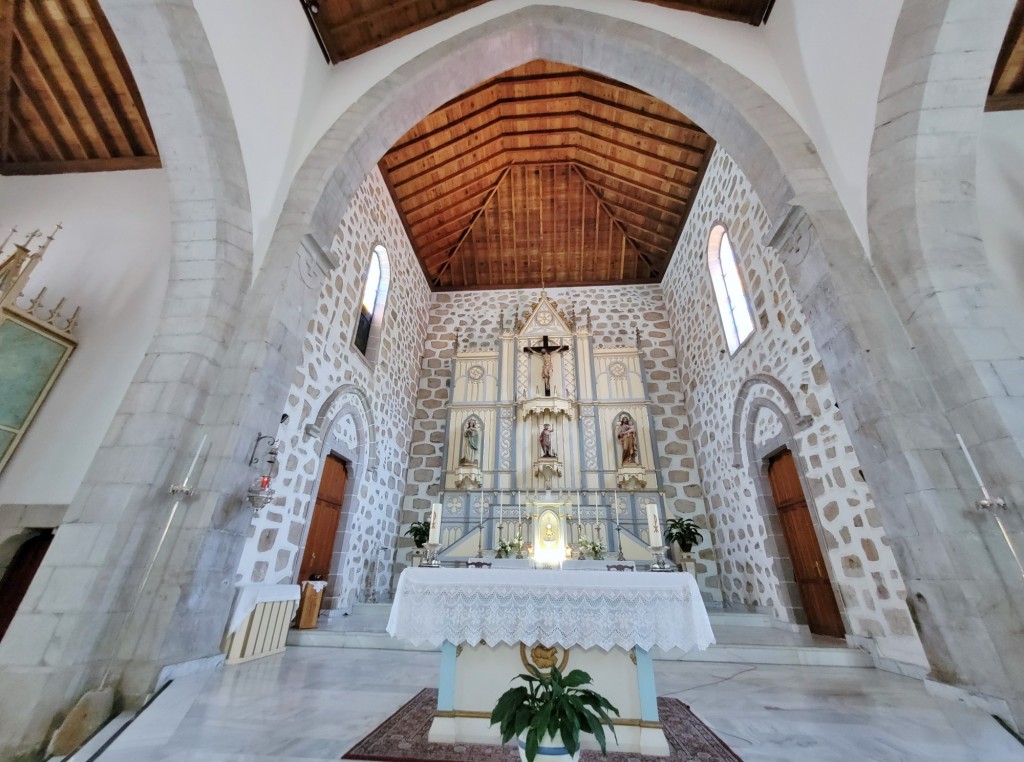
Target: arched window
[[371, 308], [731, 297]]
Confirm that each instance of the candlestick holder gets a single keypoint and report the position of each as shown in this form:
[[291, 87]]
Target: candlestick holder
[[618, 538], [990, 503], [432, 561], [659, 564]]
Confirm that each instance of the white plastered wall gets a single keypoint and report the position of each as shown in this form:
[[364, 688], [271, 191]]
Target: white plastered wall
[[112, 259]]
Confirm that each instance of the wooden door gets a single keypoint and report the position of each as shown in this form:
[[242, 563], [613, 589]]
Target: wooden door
[[18, 576], [809, 566], [323, 527]]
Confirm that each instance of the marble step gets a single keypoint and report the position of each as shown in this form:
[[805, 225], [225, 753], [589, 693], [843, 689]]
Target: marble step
[[791, 654]]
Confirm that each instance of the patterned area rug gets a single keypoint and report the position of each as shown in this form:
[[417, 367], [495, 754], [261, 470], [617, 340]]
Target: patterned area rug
[[403, 738]]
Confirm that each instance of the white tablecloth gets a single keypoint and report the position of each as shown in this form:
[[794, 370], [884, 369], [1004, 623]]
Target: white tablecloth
[[567, 608]]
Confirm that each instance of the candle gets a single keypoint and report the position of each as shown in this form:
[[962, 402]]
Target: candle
[[654, 525], [435, 524], [519, 508], [577, 506], [501, 511], [974, 469]]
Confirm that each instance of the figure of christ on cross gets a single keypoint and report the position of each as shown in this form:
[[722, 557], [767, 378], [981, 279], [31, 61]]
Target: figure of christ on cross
[[545, 350]]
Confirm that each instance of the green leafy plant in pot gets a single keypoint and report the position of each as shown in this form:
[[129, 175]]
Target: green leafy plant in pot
[[549, 712], [420, 531], [684, 531]]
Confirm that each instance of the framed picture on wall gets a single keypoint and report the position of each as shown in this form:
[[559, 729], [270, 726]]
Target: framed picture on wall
[[31, 358]]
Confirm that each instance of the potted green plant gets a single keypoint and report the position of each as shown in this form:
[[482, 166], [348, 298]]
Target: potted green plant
[[549, 712], [420, 531], [684, 531]]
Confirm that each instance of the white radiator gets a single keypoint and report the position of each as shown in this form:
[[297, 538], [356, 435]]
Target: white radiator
[[263, 629]]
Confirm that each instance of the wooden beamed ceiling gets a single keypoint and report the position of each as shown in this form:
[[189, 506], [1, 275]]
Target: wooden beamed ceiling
[[68, 102], [1006, 93], [347, 28], [546, 175]]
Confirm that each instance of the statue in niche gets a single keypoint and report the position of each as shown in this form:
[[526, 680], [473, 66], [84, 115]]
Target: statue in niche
[[545, 442], [627, 441], [545, 350], [470, 444]]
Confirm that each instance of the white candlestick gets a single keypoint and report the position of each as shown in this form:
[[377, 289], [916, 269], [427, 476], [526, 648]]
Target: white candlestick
[[577, 506], [974, 469], [654, 525], [435, 524], [519, 509]]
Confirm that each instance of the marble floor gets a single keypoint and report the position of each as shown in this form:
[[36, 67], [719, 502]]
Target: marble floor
[[314, 703]]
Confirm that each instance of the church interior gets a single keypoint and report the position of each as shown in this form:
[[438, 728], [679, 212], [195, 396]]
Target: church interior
[[357, 355]]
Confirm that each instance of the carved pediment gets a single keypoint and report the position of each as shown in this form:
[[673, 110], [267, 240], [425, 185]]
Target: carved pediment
[[546, 319]]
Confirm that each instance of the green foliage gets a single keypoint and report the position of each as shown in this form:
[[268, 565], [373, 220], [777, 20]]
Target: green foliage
[[556, 705], [684, 531], [420, 531]]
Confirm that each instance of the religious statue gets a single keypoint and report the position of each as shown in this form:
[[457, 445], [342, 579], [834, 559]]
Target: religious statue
[[470, 444], [545, 350], [545, 442], [627, 441]]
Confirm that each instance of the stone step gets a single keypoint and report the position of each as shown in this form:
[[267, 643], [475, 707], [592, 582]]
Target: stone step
[[838, 655]]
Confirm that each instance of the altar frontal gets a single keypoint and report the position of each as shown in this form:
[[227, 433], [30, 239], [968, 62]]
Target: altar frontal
[[490, 625]]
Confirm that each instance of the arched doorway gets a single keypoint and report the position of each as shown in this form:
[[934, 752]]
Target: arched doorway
[[809, 568], [18, 576]]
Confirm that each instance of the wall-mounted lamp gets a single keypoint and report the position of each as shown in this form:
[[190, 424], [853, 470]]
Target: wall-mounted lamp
[[259, 492]]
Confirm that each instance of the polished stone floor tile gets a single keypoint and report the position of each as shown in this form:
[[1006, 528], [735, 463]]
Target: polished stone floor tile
[[313, 704]]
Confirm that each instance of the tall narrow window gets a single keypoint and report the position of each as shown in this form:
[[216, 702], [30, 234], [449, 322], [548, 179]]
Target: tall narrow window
[[733, 305], [371, 309]]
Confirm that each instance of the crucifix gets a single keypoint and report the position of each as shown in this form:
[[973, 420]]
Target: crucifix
[[545, 350]]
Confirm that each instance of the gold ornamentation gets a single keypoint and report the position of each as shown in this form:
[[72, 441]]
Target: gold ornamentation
[[458, 652], [632, 655], [543, 657]]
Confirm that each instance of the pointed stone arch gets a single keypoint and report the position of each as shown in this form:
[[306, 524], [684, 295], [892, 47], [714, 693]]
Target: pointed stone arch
[[749, 401]]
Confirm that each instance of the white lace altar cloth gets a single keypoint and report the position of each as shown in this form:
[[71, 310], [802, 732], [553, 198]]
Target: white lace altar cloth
[[566, 608]]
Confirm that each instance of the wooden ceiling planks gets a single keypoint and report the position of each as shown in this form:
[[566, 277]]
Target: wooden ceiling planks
[[69, 102], [546, 174], [348, 28], [1006, 93]]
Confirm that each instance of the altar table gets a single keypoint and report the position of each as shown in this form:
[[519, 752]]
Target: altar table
[[490, 623]]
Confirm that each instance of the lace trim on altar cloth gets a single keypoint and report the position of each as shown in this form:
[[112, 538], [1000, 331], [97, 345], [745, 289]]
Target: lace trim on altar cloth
[[586, 609]]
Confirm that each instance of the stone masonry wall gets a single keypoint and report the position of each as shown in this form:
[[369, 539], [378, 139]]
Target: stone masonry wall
[[781, 347], [616, 312], [329, 362]]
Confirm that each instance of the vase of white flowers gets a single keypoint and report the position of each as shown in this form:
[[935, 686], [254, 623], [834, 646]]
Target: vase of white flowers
[[593, 548]]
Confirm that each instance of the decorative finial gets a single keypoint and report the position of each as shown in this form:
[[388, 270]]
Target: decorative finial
[[590, 324], [636, 329], [457, 340], [501, 321]]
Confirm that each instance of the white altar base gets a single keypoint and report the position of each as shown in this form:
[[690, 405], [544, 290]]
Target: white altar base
[[487, 621]]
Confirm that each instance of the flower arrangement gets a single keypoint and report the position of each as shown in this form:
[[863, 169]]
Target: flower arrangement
[[594, 548], [509, 549]]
